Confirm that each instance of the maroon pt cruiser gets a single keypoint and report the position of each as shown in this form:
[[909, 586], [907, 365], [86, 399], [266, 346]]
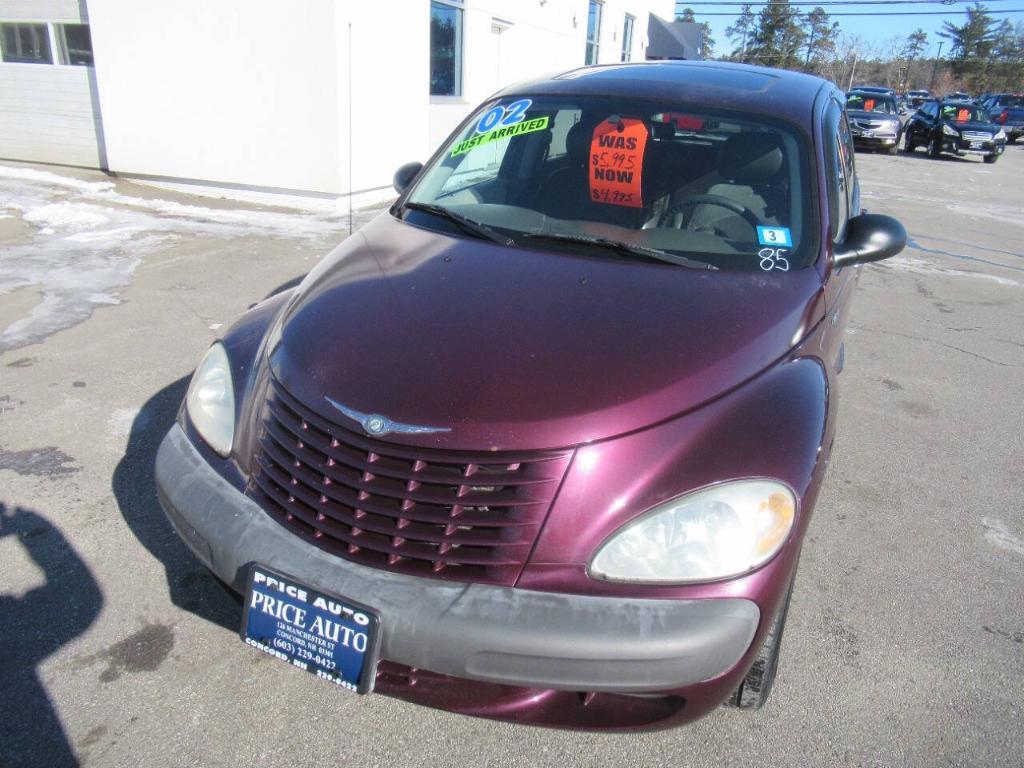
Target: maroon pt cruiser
[[541, 443]]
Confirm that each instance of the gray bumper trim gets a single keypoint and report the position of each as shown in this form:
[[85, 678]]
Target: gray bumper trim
[[482, 632]]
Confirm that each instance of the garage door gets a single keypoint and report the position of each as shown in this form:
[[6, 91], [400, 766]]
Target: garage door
[[48, 106]]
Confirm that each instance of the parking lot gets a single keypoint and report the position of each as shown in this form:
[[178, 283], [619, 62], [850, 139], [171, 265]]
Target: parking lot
[[905, 640]]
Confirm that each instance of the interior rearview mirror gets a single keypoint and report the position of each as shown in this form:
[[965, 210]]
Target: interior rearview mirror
[[403, 176], [870, 237]]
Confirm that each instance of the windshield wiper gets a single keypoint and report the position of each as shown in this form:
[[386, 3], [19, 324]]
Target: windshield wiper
[[654, 254], [465, 224]]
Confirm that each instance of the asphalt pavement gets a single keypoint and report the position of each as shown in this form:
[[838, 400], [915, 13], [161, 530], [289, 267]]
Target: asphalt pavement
[[905, 641]]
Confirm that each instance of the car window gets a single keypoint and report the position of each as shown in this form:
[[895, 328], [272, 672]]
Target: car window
[[710, 185], [478, 167], [839, 144], [564, 120], [869, 102], [963, 113]]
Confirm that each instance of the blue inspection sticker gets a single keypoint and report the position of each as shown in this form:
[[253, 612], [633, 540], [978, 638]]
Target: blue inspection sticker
[[774, 236]]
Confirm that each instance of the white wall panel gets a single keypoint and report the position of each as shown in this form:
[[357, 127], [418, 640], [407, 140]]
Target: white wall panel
[[46, 115], [218, 91], [43, 10]]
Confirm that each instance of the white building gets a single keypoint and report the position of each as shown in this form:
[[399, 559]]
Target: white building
[[315, 97]]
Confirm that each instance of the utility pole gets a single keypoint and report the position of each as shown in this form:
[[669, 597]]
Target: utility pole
[[853, 71], [935, 69]]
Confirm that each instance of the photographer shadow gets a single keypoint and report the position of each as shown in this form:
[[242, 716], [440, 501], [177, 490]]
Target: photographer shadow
[[32, 628], [189, 584]]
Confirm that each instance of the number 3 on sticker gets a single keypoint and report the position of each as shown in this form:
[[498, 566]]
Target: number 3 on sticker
[[774, 236], [513, 113]]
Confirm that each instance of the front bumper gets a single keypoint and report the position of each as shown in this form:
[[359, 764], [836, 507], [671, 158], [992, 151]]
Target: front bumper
[[962, 148], [875, 140], [493, 634]]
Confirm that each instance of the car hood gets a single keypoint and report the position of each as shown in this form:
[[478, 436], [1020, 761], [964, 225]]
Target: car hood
[[513, 348], [860, 114]]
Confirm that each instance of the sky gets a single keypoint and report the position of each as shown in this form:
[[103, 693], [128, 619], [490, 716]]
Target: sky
[[875, 29]]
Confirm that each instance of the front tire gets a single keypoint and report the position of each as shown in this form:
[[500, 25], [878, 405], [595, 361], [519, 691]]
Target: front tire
[[935, 148], [893, 149], [991, 158], [756, 687], [908, 145]]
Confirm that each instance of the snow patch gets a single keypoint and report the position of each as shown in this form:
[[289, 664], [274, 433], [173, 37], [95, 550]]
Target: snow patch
[[89, 238], [67, 215], [45, 177], [999, 535]]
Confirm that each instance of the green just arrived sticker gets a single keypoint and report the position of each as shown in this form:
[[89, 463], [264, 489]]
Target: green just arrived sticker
[[526, 126]]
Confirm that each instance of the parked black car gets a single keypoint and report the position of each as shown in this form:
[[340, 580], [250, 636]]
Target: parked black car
[[916, 98], [874, 120], [954, 127]]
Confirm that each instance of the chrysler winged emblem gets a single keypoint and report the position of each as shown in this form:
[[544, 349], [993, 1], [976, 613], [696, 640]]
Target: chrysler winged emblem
[[375, 424]]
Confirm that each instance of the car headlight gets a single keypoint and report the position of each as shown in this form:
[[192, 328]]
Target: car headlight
[[210, 401], [722, 531], [1000, 134], [950, 130]]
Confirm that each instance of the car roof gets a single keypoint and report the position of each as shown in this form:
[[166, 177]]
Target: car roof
[[758, 90], [862, 92]]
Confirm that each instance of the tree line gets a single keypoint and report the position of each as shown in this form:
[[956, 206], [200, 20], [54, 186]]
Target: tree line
[[982, 54]]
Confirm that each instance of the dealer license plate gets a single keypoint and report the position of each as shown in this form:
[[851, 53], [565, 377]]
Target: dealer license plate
[[975, 145], [331, 637]]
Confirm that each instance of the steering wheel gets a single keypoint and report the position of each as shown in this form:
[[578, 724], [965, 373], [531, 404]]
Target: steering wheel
[[673, 215]]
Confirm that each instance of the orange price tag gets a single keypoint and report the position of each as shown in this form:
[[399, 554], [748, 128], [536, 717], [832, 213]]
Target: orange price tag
[[617, 161], [963, 115], [869, 105]]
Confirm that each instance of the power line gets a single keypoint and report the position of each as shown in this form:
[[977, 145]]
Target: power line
[[844, 2], [869, 13]]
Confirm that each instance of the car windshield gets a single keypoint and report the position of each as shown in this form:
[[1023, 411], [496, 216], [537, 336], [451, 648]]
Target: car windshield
[[963, 113], [871, 102], [626, 178]]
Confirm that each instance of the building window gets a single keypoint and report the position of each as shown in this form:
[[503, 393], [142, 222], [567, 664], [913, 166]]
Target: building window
[[26, 43], [627, 38], [75, 44], [593, 31], [445, 49]]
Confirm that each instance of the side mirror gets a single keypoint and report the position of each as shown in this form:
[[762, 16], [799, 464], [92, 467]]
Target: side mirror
[[870, 237], [403, 176]]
